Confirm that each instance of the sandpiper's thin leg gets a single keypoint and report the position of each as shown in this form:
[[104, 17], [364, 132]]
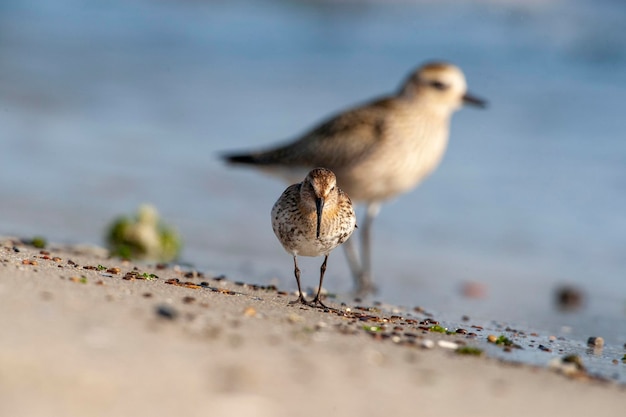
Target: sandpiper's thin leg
[[296, 272], [317, 299], [364, 283]]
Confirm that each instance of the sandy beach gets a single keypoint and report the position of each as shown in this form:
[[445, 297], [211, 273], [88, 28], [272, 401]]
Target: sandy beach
[[87, 335]]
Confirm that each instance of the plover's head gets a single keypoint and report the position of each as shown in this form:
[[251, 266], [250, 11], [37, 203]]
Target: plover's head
[[441, 85], [319, 188]]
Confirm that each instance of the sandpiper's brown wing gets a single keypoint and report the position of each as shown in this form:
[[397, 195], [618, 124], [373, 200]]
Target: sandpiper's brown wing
[[287, 202], [336, 142]]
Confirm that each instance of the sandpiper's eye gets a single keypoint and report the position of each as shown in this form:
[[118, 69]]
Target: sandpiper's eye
[[439, 85]]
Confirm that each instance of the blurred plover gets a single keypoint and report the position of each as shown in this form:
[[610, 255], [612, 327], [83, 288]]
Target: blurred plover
[[377, 150]]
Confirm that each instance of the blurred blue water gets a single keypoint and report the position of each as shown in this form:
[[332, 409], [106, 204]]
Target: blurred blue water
[[107, 105]]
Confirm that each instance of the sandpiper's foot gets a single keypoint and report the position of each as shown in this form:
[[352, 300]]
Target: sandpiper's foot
[[317, 302], [300, 300]]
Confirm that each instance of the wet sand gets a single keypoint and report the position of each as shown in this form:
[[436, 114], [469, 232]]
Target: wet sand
[[81, 338]]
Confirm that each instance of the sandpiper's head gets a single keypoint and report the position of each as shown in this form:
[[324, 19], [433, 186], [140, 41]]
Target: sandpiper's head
[[319, 188], [441, 85]]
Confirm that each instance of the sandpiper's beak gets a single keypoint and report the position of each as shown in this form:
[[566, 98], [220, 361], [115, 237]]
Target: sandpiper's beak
[[319, 205], [474, 101]]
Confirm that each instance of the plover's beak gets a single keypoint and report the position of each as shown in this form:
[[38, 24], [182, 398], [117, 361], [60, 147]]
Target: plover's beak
[[474, 101], [319, 205]]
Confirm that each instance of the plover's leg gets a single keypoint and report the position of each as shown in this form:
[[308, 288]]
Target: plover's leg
[[352, 257], [317, 299], [364, 283], [296, 272]]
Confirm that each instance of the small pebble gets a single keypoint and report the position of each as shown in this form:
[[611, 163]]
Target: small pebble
[[595, 341], [574, 359], [249, 312], [447, 344], [191, 274], [166, 312], [427, 344], [188, 300], [294, 318], [568, 298], [565, 368], [474, 290], [492, 338]]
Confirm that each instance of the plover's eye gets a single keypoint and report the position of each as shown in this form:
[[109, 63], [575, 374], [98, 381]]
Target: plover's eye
[[439, 85]]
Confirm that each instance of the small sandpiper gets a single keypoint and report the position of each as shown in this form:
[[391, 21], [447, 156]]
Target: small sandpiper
[[312, 218], [378, 150]]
